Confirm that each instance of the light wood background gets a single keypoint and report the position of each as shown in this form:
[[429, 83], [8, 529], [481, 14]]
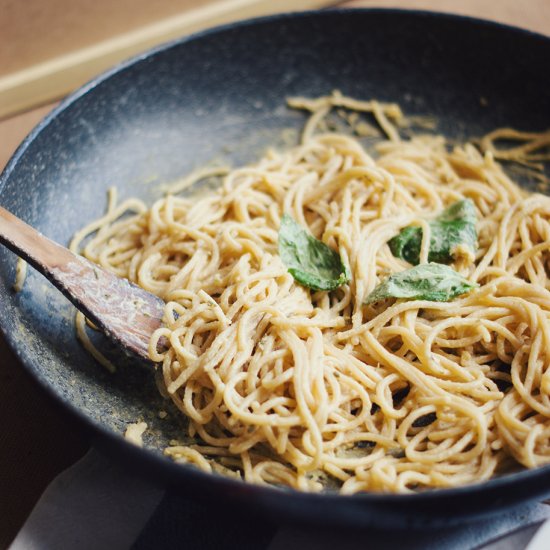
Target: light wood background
[[35, 31], [50, 47]]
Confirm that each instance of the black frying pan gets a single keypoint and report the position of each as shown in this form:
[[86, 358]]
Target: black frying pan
[[221, 95]]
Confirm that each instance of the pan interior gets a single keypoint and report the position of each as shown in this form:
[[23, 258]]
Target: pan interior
[[217, 98]]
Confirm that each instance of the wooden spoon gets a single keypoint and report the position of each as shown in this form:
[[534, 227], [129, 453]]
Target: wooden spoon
[[125, 312]]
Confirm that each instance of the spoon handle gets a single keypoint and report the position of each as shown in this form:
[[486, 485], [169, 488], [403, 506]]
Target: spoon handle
[[125, 312]]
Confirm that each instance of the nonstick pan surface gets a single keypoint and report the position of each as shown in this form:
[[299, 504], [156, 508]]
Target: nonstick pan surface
[[220, 97]]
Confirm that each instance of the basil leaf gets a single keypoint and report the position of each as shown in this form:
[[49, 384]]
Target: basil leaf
[[311, 262], [455, 226], [434, 282]]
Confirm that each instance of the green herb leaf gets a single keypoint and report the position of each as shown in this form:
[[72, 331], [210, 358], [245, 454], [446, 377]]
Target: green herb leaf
[[455, 226], [311, 262], [434, 282]]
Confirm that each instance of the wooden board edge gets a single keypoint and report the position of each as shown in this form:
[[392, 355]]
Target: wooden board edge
[[53, 79]]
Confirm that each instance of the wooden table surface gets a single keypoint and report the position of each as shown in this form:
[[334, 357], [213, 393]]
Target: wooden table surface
[[36, 441]]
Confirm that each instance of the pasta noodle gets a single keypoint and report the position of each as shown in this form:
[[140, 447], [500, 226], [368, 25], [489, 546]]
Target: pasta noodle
[[289, 386]]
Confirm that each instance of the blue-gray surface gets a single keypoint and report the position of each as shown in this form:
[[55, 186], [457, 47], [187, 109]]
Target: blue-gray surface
[[98, 504]]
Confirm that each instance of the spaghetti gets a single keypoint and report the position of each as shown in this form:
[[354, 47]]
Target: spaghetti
[[288, 386]]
